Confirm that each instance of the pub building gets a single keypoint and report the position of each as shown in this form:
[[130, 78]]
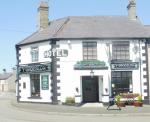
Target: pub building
[[88, 58]]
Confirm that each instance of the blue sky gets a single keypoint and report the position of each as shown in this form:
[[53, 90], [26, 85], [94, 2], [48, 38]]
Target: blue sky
[[18, 19]]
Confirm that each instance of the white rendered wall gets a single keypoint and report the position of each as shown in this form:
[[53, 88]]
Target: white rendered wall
[[26, 52], [71, 79], [25, 57]]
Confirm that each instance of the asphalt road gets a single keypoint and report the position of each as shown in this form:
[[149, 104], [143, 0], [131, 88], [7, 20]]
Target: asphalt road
[[8, 113]]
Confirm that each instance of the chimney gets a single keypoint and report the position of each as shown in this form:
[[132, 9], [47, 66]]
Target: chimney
[[132, 10], [43, 10]]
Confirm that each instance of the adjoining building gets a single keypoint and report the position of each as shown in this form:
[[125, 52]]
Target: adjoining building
[[86, 57], [7, 81]]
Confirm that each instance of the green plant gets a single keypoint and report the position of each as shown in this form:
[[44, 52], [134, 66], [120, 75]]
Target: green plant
[[70, 100], [117, 98], [139, 98]]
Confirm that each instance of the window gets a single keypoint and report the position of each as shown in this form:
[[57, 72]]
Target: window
[[35, 85], [120, 50], [24, 85], [89, 50], [34, 54], [121, 82]]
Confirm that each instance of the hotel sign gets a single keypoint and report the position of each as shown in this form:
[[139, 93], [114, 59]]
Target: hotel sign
[[125, 66], [34, 68], [56, 53]]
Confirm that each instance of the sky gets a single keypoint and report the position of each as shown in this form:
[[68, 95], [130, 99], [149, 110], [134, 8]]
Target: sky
[[18, 19]]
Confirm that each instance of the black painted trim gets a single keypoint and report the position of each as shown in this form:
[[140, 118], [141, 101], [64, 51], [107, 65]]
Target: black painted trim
[[143, 54], [17, 74], [146, 83], [105, 95], [57, 46], [34, 97], [148, 77], [19, 61], [144, 61], [146, 101], [145, 76], [77, 95], [55, 74], [143, 47], [58, 94], [58, 88], [19, 84], [145, 90], [145, 69], [58, 81]]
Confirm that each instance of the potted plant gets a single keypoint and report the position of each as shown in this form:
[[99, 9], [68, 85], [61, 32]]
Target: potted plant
[[70, 101], [138, 102], [118, 101]]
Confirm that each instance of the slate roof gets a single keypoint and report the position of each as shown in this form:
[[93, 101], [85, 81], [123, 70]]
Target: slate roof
[[84, 27], [5, 76], [148, 28]]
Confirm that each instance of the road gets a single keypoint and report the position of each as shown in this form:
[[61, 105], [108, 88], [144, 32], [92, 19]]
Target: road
[[8, 113]]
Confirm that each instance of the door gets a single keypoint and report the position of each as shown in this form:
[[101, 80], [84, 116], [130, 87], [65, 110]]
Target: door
[[90, 89]]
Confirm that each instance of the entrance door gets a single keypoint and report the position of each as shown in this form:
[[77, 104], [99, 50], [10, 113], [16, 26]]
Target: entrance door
[[90, 89]]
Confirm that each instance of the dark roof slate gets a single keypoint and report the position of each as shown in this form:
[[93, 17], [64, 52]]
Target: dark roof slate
[[90, 27], [5, 76]]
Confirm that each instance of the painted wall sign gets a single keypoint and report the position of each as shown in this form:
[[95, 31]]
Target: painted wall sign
[[125, 66], [45, 82], [34, 68], [56, 52]]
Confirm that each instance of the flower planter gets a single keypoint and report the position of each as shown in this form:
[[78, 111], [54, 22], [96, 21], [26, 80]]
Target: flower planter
[[138, 104], [121, 104]]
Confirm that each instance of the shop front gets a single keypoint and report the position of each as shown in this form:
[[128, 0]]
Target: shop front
[[122, 76], [35, 80]]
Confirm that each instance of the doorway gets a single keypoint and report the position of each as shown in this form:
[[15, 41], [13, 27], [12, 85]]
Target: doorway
[[90, 88]]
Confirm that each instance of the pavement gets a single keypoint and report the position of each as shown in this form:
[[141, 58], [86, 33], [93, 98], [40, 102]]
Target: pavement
[[74, 110]]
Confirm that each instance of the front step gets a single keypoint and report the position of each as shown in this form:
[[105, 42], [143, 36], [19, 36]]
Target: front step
[[92, 105]]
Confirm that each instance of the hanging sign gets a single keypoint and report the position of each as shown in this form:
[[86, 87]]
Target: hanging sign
[[34, 68], [125, 66]]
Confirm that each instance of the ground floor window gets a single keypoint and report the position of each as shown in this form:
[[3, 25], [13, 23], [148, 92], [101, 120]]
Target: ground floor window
[[35, 85], [121, 82]]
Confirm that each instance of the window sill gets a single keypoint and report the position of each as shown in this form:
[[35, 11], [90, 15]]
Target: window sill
[[35, 97]]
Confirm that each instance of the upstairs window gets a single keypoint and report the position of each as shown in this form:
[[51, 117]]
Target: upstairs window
[[34, 54], [89, 50], [120, 50]]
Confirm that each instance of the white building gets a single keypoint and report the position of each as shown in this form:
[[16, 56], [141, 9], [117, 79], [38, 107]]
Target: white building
[[7, 81], [89, 58]]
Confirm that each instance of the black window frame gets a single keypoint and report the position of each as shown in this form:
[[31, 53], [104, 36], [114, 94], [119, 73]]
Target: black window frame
[[121, 50], [89, 50], [122, 79]]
